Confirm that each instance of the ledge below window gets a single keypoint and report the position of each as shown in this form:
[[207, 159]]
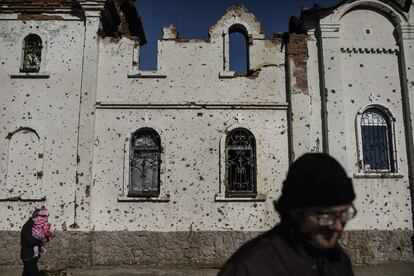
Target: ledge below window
[[30, 76], [20, 199], [227, 74], [163, 198], [146, 75], [378, 175], [234, 74], [222, 198]]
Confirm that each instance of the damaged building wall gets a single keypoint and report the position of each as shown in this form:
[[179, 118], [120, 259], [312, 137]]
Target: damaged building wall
[[370, 76], [39, 120], [68, 130], [358, 66], [192, 102]]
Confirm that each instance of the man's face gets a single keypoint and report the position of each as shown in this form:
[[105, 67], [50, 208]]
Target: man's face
[[323, 225]]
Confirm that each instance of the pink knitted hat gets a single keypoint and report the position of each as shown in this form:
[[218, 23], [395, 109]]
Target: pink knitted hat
[[43, 211]]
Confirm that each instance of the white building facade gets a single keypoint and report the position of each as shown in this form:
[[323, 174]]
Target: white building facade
[[182, 164]]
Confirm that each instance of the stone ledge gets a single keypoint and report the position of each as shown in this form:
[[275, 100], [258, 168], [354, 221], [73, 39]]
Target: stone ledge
[[30, 76], [74, 249]]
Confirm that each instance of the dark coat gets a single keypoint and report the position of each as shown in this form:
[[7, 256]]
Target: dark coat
[[278, 253], [27, 242]]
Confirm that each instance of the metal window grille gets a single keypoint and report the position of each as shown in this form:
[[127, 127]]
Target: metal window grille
[[240, 163], [377, 142], [145, 164], [32, 54]]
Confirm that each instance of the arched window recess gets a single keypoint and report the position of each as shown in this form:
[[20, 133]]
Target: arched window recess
[[377, 141], [32, 54], [240, 164], [145, 160], [238, 49]]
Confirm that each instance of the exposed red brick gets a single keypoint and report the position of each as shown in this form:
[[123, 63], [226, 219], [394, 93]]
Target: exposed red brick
[[298, 53], [29, 16], [36, 6], [119, 17]]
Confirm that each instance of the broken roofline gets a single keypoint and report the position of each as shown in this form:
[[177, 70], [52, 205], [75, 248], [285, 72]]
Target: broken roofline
[[119, 17], [401, 4]]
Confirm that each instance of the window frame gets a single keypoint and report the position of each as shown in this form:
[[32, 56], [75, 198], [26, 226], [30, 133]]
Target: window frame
[[223, 195], [23, 69], [239, 28], [155, 138], [248, 33], [391, 136], [253, 170], [124, 196]]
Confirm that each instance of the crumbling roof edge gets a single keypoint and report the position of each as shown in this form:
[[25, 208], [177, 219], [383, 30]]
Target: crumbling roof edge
[[320, 8], [134, 21]]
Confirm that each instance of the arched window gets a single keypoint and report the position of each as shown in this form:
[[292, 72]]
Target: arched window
[[32, 53], [24, 159], [377, 141], [145, 163], [238, 49], [240, 163]]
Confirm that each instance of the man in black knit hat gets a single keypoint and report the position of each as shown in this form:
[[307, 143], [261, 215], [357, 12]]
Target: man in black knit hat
[[315, 205]]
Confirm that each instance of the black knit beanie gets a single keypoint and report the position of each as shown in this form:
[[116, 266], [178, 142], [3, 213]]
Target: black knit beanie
[[315, 179]]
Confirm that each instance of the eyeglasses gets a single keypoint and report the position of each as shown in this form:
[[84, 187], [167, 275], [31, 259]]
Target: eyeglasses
[[329, 218]]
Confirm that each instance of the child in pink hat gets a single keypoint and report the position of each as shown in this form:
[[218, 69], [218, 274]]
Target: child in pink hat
[[41, 229]]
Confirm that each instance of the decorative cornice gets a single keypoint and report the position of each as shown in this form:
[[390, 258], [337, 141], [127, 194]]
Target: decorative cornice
[[329, 30], [96, 5], [407, 31], [363, 50], [191, 105]]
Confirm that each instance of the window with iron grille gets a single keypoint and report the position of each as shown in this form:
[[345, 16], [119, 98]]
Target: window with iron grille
[[377, 141], [145, 164], [32, 54], [240, 163]]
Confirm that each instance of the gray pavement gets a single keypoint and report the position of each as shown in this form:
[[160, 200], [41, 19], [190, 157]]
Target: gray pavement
[[393, 269]]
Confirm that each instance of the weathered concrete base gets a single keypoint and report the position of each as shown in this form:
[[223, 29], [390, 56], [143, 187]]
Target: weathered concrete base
[[80, 249], [375, 247]]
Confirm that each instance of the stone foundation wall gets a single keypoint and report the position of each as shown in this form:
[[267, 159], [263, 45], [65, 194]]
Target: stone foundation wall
[[375, 246], [80, 249]]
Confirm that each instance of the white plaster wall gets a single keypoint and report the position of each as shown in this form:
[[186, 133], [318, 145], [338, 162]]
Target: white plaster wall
[[360, 70], [190, 130], [374, 78], [354, 23], [47, 105], [192, 69], [315, 126], [306, 105], [190, 140]]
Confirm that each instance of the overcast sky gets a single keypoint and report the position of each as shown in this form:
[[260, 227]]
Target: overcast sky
[[193, 18]]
